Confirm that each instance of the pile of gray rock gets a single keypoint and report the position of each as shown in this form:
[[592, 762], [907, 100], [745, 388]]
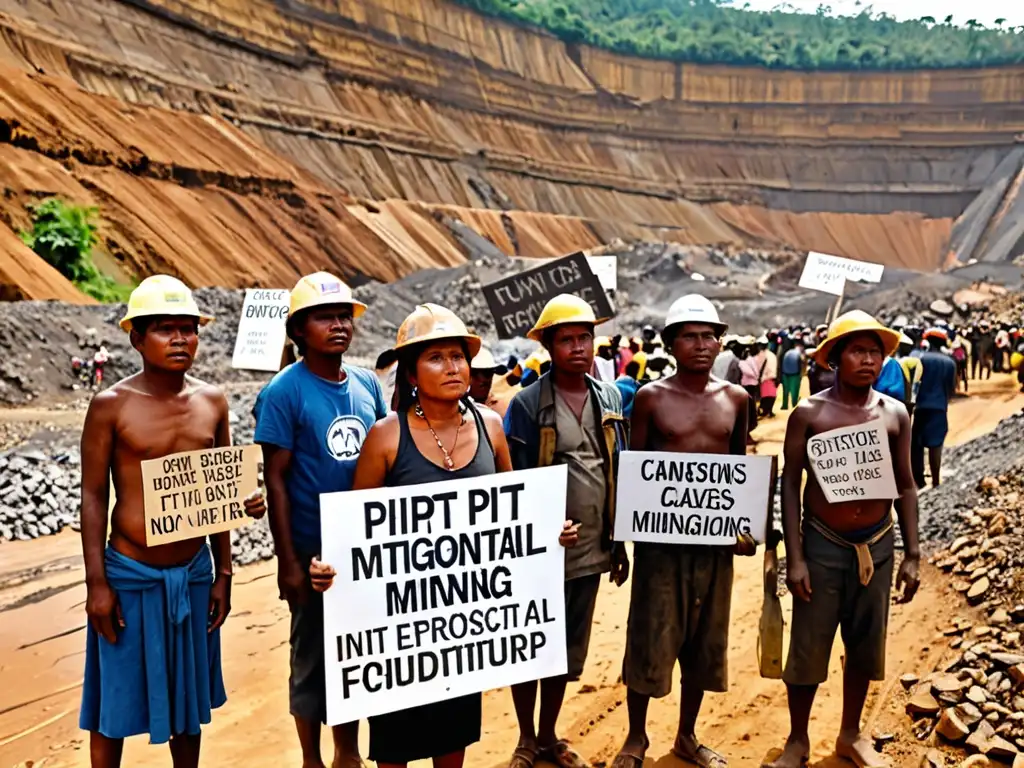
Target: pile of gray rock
[[975, 700], [39, 493]]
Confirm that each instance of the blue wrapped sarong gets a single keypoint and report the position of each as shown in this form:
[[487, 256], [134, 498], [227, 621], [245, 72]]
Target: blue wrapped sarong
[[162, 676]]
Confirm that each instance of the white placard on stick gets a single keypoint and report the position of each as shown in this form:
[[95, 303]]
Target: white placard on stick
[[605, 268], [443, 590], [196, 493], [829, 274], [853, 463], [692, 498], [261, 330]]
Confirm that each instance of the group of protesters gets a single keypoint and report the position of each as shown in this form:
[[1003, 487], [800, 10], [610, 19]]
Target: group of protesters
[[153, 648]]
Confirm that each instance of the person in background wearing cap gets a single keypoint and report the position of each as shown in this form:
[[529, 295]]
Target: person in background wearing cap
[[911, 371], [680, 599], [792, 367], [931, 422], [152, 659], [311, 420], [769, 378], [751, 370], [840, 556], [483, 369], [567, 417], [727, 365], [435, 434], [604, 360]]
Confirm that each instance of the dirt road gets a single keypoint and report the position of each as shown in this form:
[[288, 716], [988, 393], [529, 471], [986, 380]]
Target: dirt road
[[42, 641]]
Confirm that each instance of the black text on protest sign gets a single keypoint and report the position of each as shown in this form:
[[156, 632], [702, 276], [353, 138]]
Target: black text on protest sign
[[516, 302], [442, 590], [193, 494], [691, 498], [853, 463]]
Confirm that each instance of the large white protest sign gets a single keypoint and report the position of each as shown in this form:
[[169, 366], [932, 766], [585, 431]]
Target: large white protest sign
[[443, 590], [692, 498], [853, 463], [261, 330], [829, 274]]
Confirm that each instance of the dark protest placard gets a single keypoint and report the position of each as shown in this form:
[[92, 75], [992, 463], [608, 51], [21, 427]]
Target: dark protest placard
[[516, 302], [442, 590], [196, 493], [853, 463], [692, 498]]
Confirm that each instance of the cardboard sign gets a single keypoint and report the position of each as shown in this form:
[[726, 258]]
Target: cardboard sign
[[196, 493], [443, 590], [829, 274], [692, 498], [606, 269], [261, 330], [853, 463], [516, 302]]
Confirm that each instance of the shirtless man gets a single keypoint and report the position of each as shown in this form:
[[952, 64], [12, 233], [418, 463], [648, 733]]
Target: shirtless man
[[147, 605], [679, 606], [830, 586]]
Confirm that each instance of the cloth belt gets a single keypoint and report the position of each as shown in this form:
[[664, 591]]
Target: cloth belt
[[865, 563]]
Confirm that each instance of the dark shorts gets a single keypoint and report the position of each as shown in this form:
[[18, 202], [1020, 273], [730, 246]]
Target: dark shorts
[[580, 600], [839, 601], [307, 689], [930, 427], [678, 610]]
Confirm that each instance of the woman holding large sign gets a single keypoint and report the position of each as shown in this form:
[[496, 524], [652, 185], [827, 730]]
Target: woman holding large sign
[[436, 434]]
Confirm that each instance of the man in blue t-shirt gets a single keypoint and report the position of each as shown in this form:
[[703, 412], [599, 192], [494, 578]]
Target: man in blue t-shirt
[[311, 420], [938, 382]]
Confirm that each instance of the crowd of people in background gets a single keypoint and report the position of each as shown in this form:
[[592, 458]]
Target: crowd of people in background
[[934, 363]]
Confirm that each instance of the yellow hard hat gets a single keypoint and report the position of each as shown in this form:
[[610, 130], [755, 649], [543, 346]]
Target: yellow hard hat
[[484, 361], [432, 322], [853, 322], [320, 289], [161, 295], [602, 341], [537, 359], [565, 308]]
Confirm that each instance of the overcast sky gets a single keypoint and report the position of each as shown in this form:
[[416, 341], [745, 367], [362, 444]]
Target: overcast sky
[[985, 11]]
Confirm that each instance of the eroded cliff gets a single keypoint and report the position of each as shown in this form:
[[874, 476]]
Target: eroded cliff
[[243, 142]]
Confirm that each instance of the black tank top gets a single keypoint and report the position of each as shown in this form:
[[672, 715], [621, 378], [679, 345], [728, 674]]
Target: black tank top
[[412, 468]]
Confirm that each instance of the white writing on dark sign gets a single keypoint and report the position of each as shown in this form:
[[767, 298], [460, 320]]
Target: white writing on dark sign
[[516, 302], [853, 463], [442, 590], [692, 498], [261, 337], [197, 493], [829, 274]]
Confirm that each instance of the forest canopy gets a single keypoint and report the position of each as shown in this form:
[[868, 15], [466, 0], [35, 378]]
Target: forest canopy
[[721, 32]]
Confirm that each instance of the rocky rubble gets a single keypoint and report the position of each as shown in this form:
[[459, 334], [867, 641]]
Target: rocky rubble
[[943, 509], [975, 700]]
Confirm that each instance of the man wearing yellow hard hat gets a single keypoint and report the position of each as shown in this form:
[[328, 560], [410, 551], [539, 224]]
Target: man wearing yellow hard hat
[[567, 417], [147, 669], [311, 420], [840, 553]]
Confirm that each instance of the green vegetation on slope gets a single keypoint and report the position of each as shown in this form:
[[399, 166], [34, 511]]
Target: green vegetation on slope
[[64, 235], [716, 32]]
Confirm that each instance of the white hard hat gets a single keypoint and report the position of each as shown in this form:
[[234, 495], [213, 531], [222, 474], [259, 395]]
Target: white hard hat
[[694, 308]]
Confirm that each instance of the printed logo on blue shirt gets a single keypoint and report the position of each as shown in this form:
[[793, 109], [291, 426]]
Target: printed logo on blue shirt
[[345, 437]]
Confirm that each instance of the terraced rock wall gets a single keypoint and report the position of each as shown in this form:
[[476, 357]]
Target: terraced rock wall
[[244, 141]]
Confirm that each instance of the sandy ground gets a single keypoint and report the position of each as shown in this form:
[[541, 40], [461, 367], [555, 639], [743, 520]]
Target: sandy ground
[[42, 640]]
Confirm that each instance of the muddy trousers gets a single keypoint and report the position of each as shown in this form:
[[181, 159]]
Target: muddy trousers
[[790, 390]]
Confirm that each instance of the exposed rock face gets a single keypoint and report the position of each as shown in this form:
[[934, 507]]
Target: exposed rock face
[[259, 139]]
